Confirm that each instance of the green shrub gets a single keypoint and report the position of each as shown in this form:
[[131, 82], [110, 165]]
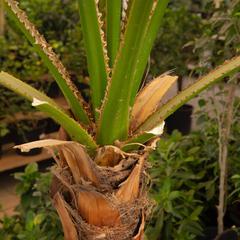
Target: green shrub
[[58, 22], [182, 25], [35, 219], [185, 178], [178, 173]]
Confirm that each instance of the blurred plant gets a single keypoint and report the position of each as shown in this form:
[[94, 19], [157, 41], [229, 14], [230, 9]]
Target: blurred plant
[[221, 111], [10, 105], [35, 218], [185, 177], [185, 174], [2, 18], [173, 49], [221, 34], [221, 40], [3, 130], [179, 176], [18, 57], [58, 22]]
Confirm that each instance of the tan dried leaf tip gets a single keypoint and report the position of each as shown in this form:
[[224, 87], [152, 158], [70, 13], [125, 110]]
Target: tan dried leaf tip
[[129, 189], [80, 163], [26, 147], [70, 232], [149, 99]]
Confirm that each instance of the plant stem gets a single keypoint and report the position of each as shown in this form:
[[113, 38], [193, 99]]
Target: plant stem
[[224, 132]]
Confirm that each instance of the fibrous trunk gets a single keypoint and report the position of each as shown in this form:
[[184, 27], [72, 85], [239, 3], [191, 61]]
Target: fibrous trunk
[[101, 198]]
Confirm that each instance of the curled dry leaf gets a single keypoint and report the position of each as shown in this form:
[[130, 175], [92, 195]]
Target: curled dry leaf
[[108, 156], [96, 209], [73, 154], [80, 163], [112, 156], [149, 98], [26, 147], [70, 232], [129, 189]]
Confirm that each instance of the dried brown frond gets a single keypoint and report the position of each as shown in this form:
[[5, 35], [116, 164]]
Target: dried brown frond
[[80, 163], [69, 229], [110, 156], [26, 147], [100, 202], [97, 212], [129, 189], [149, 98]]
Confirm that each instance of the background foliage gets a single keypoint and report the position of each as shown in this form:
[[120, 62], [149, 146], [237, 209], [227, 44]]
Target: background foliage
[[36, 219]]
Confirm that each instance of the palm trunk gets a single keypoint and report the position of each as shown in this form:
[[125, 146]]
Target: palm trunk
[[100, 201]]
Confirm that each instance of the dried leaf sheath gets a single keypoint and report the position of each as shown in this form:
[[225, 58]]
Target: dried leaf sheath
[[96, 210], [70, 232], [102, 213], [80, 164], [129, 190]]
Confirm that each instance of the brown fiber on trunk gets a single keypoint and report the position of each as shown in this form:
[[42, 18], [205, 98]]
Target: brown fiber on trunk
[[106, 203]]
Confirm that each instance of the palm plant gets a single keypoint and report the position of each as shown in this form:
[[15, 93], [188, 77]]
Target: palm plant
[[99, 188]]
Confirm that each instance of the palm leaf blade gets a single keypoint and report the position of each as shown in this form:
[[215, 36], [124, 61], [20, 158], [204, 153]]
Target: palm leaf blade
[[128, 62], [95, 50], [113, 22], [48, 106], [49, 58], [226, 69]]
